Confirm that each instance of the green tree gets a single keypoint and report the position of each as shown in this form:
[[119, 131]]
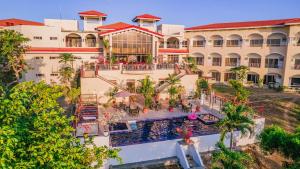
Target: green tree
[[228, 159], [237, 117], [173, 90], [35, 132], [147, 90], [149, 59], [12, 50], [241, 72], [241, 94], [275, 139], [202, 85]]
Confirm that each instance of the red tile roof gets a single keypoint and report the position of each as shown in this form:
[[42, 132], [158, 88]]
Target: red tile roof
[[263, 23], [179, 51], [117, 25], [122, 26], [92, 13], [146, 16], [13, 22], [61, 50]]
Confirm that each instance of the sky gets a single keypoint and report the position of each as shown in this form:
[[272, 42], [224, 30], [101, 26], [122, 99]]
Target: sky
[[185, 12]]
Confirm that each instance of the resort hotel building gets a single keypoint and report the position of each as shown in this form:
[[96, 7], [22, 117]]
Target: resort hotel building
[[270, 48], [119, 55]]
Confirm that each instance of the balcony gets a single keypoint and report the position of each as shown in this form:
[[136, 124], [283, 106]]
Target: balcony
[[272, 65], [297, 67], [216, 63], [108, 67], [218, 43], [256, 42], [165, 66], [176, 46], [233, 43], [254, 64], [232, 64], [138, 67]]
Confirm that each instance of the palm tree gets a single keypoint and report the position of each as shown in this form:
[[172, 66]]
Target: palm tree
[[147, 90], [106, 46], [226, 158], [66, 58], [237, 117], [172, 79], [12, 49], [66, 74]]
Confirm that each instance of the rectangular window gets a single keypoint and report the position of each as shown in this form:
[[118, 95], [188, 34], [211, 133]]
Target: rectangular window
[[54, 57], [53, 38], [39, 75], [37, 38], [173, 59], [231, 62], [254, 62], [38, 57], [216, 76], [229, 76], [216, 61], [199, 60], [272, 63], [274, 42], [185, 43], [233, 43], [198, 43], [54, 74], [218, 43], [256, 42]]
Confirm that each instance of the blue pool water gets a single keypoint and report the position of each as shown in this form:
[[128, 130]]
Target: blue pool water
[[160, 130]]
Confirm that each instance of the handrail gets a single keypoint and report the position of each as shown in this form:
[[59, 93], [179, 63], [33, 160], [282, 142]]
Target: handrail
[[195, 156], [181, 156]]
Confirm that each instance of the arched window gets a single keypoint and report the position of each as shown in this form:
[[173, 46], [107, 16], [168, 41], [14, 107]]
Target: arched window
[[73, 40], [274, 60], [234, 41], [216, 59], [297, 61], [90, 40], [217, 40], [233, 60], [277, 39], [256, 40], [173, 42], [198, 41], [199, 58], [254, 60], [216, 75]]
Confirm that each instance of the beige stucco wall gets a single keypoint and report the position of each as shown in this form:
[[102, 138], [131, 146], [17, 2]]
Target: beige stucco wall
[[287, 50]]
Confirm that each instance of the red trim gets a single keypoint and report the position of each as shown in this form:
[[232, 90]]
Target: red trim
[[92, 13], [131, 27], [45, 49], [183, 51], [117, 25], [280, 22], [146, 16], [14, 22]]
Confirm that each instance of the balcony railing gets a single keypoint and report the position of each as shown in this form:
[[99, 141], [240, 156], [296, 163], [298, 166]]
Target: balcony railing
[[216, 63], [108, 67], [218, 43], [163, 66], [272, 66], [297, 67], [138, 67], [254, 65], [233, 64], [172, 45]]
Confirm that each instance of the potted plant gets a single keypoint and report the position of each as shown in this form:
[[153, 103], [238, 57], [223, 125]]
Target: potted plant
[[147, 90], [186, 134]]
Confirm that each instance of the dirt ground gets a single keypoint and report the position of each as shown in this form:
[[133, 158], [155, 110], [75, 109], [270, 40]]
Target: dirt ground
[[279, 108]]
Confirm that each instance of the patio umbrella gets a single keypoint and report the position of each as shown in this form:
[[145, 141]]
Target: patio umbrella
[[123, 94]]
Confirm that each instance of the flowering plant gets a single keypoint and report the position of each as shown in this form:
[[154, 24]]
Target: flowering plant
[[186, 134], [192, 116]]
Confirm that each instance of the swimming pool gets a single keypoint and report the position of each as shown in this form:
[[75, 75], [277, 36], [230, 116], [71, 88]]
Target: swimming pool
[[160, 130]]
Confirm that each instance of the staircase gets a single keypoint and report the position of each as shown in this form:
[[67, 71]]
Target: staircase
[[188, 156], [180, 73], [111, 83]]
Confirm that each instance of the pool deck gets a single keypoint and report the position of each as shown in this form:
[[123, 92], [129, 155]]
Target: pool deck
[[163, 113]]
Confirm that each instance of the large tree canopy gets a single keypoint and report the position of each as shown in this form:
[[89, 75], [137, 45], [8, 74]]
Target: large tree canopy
[[12, 48], [36, 133]]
